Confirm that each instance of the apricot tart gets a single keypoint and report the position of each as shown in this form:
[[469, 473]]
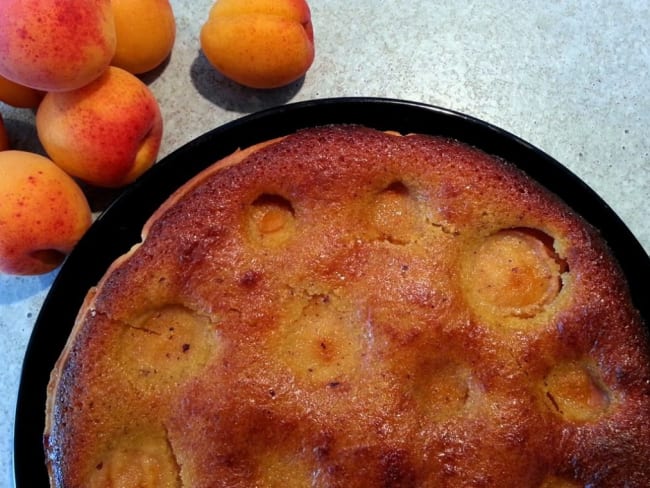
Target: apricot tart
[[344, 307]]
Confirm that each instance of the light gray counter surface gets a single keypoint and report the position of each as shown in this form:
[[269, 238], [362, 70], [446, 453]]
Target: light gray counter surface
[[569, 77]]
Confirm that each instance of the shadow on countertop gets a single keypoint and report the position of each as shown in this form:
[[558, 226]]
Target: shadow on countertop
[[14, 289], [227, 94]]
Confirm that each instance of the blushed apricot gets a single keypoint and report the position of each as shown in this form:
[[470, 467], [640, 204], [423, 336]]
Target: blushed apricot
[[43, 213], [51, 45], [106, 133]]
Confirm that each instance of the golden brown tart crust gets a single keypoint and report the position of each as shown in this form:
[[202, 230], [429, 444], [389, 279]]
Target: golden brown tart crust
[[345, 307]]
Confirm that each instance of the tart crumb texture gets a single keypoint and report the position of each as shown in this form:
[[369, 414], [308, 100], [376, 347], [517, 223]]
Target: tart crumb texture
[[348, 308]]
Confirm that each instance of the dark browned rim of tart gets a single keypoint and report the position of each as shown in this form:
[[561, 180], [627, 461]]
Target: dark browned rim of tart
[[119, 227]]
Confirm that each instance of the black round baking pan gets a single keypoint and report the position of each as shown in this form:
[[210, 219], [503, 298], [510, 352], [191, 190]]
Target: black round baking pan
[[118, 228]]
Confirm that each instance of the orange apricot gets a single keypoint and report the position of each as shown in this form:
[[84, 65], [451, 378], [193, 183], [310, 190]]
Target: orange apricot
[[259, 43], [145, 31]]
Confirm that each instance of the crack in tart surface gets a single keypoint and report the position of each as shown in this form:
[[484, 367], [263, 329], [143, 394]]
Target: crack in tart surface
[[344, 307]]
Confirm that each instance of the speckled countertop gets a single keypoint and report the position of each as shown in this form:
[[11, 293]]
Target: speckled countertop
[[569, 77]]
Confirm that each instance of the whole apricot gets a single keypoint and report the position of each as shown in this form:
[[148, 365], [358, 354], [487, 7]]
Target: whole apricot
[[43, 213], [106, 133], [4, 137], [145, 31], [259, 43], [18, 95], [54, 45]]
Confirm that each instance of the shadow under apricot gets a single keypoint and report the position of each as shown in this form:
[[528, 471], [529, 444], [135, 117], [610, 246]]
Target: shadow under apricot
[[14, 289], [22, 132], [231, 96], [150, 76]]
